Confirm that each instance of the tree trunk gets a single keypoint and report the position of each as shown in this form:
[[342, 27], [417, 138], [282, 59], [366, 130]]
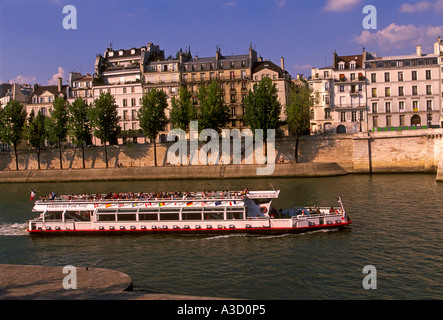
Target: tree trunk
[[60, 155], [155, 153], [16, 158], [38, 158], [297, 140], [83, 155], [106, 156]]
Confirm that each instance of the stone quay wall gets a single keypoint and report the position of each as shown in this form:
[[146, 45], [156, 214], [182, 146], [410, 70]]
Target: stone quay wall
[[418, 151]]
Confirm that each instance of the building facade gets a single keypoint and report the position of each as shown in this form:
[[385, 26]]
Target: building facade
[[42, 98], [404, 92], [80, 86]]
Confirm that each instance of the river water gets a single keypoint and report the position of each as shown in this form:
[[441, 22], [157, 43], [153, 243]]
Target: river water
[[397, 229]]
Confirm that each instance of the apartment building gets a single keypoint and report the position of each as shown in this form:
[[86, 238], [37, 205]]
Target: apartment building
[[233, 73], [43, 97], [282, 80], [80, 86], [321, 114], [162, 75], [404, 92], [119, 72]]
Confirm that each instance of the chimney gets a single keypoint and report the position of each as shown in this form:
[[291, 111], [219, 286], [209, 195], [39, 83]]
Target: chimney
[[59, 84], [419, 51], [282, 63]]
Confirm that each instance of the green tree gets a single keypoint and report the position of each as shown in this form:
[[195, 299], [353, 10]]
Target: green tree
[[13, 122], [213, 113], [183, 110], [79, 125], [152, 116], [297, 110], [262, 108], [37, 133], [105, 120], [58, 124]]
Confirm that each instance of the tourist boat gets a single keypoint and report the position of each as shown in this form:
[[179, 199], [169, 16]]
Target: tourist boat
[[226, 212]]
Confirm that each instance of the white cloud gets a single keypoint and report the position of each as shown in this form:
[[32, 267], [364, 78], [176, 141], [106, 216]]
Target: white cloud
[[54, 80], [280, 3], [229, 4], [21, 79], [422, 6], [399, 36], [341, 5], [302, 67]]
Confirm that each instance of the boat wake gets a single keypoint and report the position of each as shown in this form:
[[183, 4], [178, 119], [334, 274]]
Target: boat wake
[[13, 229]]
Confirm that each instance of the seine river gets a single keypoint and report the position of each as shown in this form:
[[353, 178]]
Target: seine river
[[397, 229]]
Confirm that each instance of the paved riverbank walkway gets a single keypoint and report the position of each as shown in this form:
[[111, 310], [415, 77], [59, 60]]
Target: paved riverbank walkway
[[32, 282]]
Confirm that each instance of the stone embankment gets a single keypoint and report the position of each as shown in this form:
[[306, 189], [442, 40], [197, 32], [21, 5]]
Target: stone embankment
[[172, 172], [33, 282]]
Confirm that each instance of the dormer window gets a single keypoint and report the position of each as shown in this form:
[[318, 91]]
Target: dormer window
[[341, 66], [120, 52], [132, 51], [352, 65]]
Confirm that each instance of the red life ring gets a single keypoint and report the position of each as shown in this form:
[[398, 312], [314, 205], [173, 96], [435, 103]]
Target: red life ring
[[263, 209]]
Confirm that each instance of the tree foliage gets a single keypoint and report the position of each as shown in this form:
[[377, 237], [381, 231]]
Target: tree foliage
[[262, 108], [105, 120], [37, 133], [213, 113], [183, 110], [297, 111], [152, 116], [13, 122], [79, 125], [58, 124]]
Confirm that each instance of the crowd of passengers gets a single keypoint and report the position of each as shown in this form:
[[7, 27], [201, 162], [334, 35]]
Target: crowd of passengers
[[149, 196]]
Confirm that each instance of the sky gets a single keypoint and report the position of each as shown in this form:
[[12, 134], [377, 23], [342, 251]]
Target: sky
[[35, 47]]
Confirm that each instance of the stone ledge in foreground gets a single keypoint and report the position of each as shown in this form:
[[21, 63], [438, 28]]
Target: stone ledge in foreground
[[33, 282]]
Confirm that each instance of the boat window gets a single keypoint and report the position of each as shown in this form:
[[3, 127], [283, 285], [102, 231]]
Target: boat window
[[106, 210], [191, 215], [134, 210], [234, 215], [148, 216], [169, 216], [126, 217], [53, 215], [214, 215], [169, 209], [79, 215], [106, 217], [148, 210]]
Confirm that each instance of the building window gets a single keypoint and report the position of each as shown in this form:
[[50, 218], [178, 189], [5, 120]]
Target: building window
[[414, 90], [341, 66], [327, 113], [401, 106], [374, 92], [388, 121], [373, 77], [342, 88], [354, 116], [414, 75], [388, 107], [387, 77], [387, 92], [402, 120], [352, 76], [374, 107], [133, 102], [352, 65], [401, 91], [400, 76], [428, 75], [125, 103], [375, 122], [243, 74], [428, 105], [429, 89], [415, 106]]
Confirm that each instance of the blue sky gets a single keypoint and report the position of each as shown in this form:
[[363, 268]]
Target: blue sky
[[35, 48]]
